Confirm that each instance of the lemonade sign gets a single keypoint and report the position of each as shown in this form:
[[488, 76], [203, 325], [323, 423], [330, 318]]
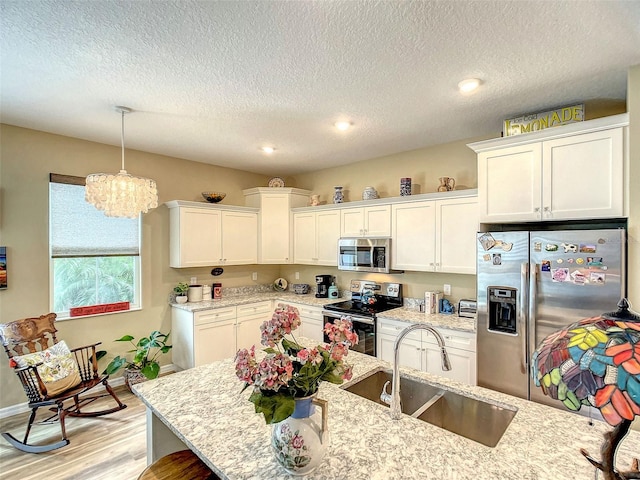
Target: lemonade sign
[[534, 122]]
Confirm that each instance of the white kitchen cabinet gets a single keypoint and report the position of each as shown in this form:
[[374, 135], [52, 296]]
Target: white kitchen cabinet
[[249, 319], [274, 221], [203, 235], [311, 321], [564, 173], [373, 221], [435, 235], [315, 237], [210, 335], [419, 350]]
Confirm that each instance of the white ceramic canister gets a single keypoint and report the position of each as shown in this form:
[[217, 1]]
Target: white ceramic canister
[[194, 294], [206, 292]]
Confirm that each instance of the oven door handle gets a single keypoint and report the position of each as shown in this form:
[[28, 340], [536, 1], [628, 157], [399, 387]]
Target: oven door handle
[[354, 318]]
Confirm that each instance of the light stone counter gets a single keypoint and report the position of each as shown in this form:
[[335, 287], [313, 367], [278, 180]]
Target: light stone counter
[[411, 315], [205, 408], [252, 297]]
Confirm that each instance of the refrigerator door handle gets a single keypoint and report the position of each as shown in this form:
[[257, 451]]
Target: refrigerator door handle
[[533, 286], [522, 315]]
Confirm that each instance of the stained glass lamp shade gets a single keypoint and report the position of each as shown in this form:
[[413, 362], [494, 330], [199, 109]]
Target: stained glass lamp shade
[[596, 362]]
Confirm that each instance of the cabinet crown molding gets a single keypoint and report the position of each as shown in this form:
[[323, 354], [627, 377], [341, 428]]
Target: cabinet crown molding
[[209, 206], [588, 126]]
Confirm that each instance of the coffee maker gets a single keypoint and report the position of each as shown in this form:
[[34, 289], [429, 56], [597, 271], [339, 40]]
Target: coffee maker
[[323, 282]]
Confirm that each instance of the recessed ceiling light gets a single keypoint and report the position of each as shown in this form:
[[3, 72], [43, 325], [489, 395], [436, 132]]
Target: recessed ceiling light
[[468, 85], [343, 125], [268, 150]]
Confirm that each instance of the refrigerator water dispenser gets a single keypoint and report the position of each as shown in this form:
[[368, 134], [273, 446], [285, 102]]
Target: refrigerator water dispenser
[[502, 310]]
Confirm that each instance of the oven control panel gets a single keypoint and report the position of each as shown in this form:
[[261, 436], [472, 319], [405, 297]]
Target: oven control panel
[[360, 287]]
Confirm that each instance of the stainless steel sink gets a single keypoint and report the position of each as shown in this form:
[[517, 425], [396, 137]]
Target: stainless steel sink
[[471, 418], [414, 393], [474, 419]]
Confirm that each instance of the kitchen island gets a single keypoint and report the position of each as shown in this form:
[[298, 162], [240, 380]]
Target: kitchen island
[[204, 409]]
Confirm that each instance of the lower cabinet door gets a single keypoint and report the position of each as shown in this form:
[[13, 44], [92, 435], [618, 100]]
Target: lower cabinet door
[[463, 364], [214, 341], [410, 351], [248, 332]]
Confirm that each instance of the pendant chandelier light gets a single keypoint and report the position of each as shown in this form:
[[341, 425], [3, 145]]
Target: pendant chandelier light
[[121, 195]]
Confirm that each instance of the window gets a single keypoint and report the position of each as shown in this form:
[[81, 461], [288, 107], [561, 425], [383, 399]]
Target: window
[[95, 259]]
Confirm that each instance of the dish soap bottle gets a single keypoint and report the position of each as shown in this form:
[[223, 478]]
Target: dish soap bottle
[[333, 290]]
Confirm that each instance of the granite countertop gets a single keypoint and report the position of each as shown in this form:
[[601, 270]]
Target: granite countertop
[[215, 419], [404, 314], [452, 321], [252, 297]]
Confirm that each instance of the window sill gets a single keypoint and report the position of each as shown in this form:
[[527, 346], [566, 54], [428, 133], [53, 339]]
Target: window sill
[[65, 315]]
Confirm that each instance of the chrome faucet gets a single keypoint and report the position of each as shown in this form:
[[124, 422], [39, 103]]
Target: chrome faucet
[[394, 399]]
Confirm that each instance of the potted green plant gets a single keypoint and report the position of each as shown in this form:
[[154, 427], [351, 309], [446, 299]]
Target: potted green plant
[[181, 292], [144, 365]]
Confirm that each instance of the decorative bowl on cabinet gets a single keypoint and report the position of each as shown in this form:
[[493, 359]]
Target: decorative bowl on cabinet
[[213, 197]]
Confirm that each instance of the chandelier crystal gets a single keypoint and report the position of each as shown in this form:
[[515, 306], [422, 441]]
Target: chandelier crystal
[[121, 195]]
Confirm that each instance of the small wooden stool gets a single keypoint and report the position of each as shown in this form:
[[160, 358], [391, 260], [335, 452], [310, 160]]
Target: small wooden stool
[[182, 465]]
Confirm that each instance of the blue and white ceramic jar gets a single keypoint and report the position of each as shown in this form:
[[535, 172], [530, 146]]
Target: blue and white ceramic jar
[[369, 193], [405, 187], [338, 196]]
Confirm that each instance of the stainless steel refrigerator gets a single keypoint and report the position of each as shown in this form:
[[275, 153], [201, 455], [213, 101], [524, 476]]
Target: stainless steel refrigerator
[[533, 283]]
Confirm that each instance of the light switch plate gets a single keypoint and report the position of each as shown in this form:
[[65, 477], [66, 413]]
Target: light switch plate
[[447, 289], [254, 276]]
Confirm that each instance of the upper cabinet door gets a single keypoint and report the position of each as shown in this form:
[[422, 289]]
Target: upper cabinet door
[[327, 235], [304, 238], [509, 184], [195, 237], [456, 228], [413, 243], [583, 176], [239, 238], [377, 221], [374, 221], [352, 220]]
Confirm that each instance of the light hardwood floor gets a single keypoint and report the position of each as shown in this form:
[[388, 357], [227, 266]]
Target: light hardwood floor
[[111, 447]]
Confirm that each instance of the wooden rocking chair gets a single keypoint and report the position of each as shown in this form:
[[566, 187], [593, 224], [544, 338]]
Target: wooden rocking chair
[[31, 335]]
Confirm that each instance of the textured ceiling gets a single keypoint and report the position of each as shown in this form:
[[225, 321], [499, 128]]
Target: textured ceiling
[[212, 81]]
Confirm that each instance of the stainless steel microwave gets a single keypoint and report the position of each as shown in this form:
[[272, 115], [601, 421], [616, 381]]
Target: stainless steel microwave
[[364, 254]]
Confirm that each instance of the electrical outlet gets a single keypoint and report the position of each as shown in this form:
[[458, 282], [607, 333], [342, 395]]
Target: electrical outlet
[[447, 289], [194, 280], [297, 275], [254, 276]]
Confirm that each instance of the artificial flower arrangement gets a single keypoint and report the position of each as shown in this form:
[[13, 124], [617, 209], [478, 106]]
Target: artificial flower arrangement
[[288, 370]]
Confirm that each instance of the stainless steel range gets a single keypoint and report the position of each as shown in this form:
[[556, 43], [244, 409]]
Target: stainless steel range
[[367, 300]]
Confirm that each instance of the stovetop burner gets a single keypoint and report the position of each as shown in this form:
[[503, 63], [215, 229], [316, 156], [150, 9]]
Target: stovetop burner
[[351, 306]]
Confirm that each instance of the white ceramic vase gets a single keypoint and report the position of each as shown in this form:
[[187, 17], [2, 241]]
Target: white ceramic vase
[[299, 443]]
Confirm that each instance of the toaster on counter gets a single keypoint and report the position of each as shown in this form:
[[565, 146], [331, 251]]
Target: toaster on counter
[[467, 308]]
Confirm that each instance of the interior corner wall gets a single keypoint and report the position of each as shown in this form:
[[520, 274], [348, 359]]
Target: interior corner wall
[[27, 157], [633, 188]]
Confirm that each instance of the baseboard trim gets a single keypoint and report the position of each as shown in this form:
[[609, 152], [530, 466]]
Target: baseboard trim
[[114, 382]]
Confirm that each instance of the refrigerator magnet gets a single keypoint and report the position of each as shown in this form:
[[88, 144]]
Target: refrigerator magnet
[[545, 266], [486, 257], [570, 260], [559, 274], [487, 241], [594, 261], [551, 247], [537, 246], [578, 277], [597, 278], [497, 259], [580, 261], [569, 247], [587, 248]]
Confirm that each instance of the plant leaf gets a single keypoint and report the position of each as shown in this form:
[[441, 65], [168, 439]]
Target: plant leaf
[[151, 370], [126, 338]]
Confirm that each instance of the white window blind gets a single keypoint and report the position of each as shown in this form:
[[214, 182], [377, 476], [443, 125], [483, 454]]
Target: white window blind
[[78, 229]]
